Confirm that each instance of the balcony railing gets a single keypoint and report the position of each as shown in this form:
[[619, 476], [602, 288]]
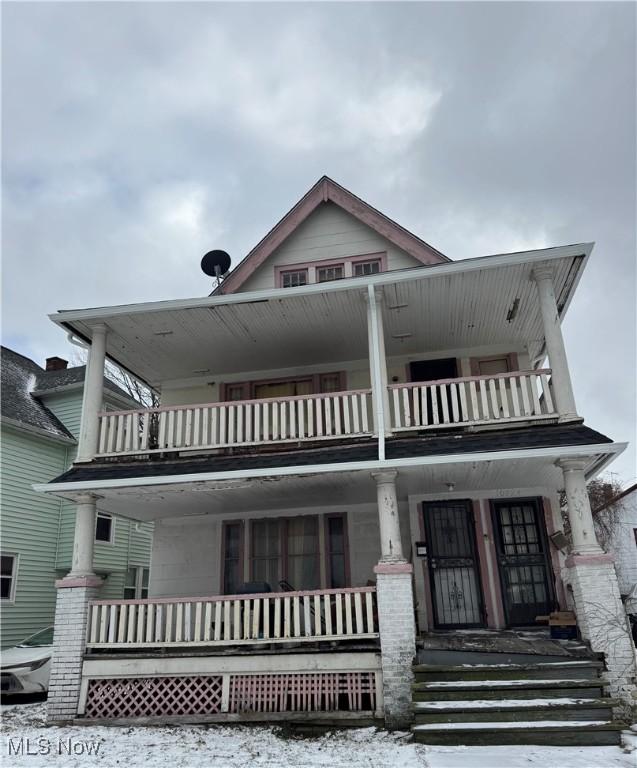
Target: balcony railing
[[224, 620], [505, 397], [236, 423]]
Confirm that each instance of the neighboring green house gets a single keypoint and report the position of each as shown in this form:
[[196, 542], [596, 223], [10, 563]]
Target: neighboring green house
[[40, 420]]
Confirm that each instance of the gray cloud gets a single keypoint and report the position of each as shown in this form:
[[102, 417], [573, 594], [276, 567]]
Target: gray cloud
[[137, 136]]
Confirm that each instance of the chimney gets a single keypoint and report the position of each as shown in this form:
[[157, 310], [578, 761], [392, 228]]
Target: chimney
[[56, 364]]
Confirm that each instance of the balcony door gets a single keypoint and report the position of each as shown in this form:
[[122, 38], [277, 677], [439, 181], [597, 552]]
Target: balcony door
[[433, 370], [454, 574]]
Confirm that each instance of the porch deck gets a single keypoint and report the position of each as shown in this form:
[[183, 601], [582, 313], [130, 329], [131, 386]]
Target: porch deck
[[516, 397]]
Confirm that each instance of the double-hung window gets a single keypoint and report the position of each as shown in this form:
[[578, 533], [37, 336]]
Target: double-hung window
[[8, 576], [136, 584], [286, 549], [293, 278]]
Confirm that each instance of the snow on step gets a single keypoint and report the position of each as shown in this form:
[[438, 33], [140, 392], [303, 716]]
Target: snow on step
[[501, 683], [424, 706], [509, 725]]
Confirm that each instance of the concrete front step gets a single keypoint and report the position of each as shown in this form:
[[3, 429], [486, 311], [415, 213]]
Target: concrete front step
[[462, 690], [553, 670], [546, 732], [513, 710]]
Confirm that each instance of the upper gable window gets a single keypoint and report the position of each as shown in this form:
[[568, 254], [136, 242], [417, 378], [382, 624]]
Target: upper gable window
[[293, 278], [333, 272], [363, 268]]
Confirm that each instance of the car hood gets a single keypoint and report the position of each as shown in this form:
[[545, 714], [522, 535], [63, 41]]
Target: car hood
[[13, 656]]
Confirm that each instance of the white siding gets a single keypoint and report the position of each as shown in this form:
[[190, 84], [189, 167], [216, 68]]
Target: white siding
[[328, 233], [623, 544]]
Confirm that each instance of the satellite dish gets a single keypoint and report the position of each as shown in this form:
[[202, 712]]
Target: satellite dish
[[215, 263]]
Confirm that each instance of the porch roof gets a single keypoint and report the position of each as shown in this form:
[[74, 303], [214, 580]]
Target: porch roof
[[337, 475], [463, 304]]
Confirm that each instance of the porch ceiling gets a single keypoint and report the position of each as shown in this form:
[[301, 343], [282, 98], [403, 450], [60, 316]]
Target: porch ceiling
[[316, 490], [440, 307]]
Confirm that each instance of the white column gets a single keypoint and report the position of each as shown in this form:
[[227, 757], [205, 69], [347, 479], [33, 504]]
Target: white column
[[377, 363], [93, 395], [561, 379], [391, 548], [84, 541], [579, 508]]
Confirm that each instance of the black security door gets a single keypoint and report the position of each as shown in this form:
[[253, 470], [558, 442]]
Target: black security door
[[523, 560], [453, 564]]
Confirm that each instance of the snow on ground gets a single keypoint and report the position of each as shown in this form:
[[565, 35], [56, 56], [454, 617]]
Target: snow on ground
[[221, 746]]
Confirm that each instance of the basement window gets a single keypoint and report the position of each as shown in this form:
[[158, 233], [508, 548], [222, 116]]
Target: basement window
[[104, 528]]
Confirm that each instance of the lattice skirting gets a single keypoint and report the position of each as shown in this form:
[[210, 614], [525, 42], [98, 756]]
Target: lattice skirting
[[320, 692], [154, 696], [231, 693]]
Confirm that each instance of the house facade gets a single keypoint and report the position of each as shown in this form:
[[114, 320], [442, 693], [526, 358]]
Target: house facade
[[619, 519], [41, 412], [359, 442]]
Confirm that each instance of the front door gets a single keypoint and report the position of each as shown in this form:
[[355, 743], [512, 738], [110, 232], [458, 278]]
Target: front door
[[523, 560], [453, 564]]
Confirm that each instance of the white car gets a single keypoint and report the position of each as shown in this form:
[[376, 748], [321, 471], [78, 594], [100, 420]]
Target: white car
[[26, 667]]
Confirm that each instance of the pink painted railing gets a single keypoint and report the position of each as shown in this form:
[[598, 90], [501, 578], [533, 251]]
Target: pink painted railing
[[273, 617], [505, 397], [236, 423]]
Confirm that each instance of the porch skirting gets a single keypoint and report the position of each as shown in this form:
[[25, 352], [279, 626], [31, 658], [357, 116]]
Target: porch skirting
[[347, 685]]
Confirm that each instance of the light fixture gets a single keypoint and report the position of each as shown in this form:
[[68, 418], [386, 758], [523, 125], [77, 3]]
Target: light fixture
[[450, 487]]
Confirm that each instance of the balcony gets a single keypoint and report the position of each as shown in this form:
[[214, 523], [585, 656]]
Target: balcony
[[521, 396]]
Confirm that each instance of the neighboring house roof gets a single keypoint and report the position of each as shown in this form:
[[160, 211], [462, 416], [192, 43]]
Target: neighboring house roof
[[533, 437], [53, 381], [25, 382], [325, 190], [19, 375]]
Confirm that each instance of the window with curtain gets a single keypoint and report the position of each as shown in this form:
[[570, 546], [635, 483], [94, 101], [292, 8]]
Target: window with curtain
[[232, 576], [266, 552], [336, 551], [493, 365], [303, 552]]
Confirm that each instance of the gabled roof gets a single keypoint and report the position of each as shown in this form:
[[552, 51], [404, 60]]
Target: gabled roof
[[25, 382], [326, 190], [18, 405]]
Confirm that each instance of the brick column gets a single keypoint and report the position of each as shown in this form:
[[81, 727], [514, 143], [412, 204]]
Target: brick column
[[396, 620], [69, 642], [590, 572]]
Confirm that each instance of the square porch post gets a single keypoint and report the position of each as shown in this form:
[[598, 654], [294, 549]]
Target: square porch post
[[74, 592], [396, 619], [591, 574]]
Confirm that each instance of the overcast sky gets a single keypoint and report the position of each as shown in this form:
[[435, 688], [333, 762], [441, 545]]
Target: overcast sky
[[138, 136]]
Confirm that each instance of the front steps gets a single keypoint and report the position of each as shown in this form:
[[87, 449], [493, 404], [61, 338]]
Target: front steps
[[559, 703]]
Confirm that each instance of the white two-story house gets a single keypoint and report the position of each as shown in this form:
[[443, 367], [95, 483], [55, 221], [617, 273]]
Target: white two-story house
[[359, 442]]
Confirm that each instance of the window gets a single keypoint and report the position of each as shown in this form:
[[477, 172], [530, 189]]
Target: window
[[136, 584], [635, 532], [325, 274], [286, 549], [232, 570], [363, 268], [336, 545], [8, 574], [294, 278], [235, 392], [104, 528], [493, 365]]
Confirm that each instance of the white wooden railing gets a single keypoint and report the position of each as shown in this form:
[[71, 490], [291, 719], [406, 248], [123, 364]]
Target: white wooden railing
[[332, 614], [237, 423], [505, 397]]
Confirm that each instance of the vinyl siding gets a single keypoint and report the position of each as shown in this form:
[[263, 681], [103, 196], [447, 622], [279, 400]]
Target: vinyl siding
[[30, 529], [328, 233]]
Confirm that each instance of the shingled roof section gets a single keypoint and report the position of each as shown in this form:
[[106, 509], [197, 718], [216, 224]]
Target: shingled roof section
[[409, 447], [49, 381], [19, 376]]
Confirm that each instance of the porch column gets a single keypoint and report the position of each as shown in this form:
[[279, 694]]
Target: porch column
[[74, 592], [561, 379], [93, 395], [590, 575], [396, 620], [84, 540], [377, 363], [580, 516]]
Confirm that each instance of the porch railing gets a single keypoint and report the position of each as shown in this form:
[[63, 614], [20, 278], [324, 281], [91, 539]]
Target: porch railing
[[505, 397], [332, 614], [237, 423]]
